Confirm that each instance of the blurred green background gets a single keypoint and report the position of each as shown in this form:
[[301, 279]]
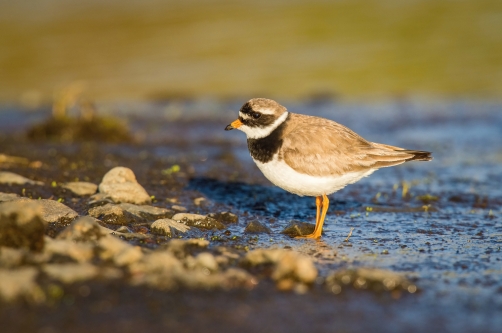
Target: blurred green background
[[154, 50]]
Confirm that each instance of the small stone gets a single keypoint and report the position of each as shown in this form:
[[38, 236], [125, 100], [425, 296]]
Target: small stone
[[71, 272], [19, 282], [4, 197], [124, 230], [81, 188], [287, 264], [53, 211], [199, 201], [206, 260], [21, 225], [80, 252], [377, 280], [126, 213], [180, 247], [149, 213], [84, 229], [7, 159], [158, 269], [12, 178], [297, 228], [179, 208], [120, 252], [163, 227], [114, 214], [10, 257], [224, 217], [198, 221], [255, 227], [120, 185]]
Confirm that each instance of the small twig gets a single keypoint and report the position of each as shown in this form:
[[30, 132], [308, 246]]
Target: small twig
[[350, 234]]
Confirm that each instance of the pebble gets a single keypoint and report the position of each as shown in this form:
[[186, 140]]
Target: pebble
[[120, 185], [149, 213], [159, 269], [4, 197], [179, 208], [20, 282], [81, 188], [255, 227], [163, 227], [126, 213], [374, 279], [53, 211], [21, 225], [114, 214], [81, 252], [10, 257], [71, 272], [287, 264], [84, 229], [198, 221], [297, 228], [199, 201], [206, 260], [118, 251], [224, 217], [11, 178]]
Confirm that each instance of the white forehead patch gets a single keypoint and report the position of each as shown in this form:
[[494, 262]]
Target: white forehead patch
[[267, 111]]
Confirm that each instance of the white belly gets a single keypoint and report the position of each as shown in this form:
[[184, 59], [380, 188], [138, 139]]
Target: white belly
[[282, 175]]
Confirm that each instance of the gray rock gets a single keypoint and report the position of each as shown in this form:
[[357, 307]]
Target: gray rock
[[159, 269], [21, 225], [198, 221], [224, 217], [206, 260], [297, 228], [126, 213], [120, 185], [124, 230], [12, 178], [71, 272], [7, 159], [181, 247], [84, 229], [53, 211], [164, 226], [288, 265], [149, 213], [81, 188], [119, 251], [4, 197], [373, 279], [199, 201], [80, 252], [10, 257], [179, 208], [255, 227], [114, 214], [20, 282]]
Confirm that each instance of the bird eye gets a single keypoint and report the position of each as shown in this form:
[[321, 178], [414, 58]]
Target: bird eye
[[256, 115]]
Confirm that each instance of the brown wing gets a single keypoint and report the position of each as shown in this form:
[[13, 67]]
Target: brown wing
[[321, 147]]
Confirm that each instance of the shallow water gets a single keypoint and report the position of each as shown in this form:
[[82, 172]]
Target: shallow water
[[439, 223]]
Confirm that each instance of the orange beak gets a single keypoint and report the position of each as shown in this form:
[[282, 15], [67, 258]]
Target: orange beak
[[233, 125]]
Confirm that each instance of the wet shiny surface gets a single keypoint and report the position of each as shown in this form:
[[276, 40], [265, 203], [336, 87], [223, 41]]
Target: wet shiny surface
[[437, 222]]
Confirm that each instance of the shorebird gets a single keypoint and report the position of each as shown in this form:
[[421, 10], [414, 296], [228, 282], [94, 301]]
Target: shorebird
[[312, 156]]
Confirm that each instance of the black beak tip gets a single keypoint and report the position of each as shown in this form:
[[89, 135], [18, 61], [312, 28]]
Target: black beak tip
[[228, 128]]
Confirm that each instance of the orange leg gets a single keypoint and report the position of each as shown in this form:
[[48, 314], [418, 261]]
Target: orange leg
[[322, 204]]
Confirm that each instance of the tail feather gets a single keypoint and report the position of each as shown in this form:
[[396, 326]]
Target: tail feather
[[387, 155]]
